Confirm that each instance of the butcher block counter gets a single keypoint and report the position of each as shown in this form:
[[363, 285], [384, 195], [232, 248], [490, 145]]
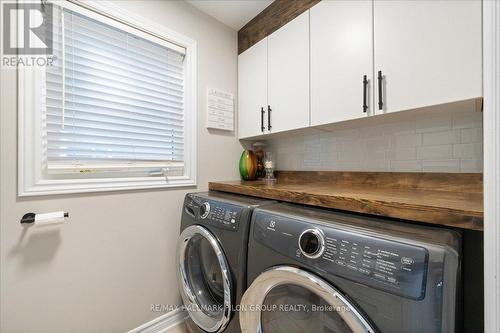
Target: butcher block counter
[[450, 199]]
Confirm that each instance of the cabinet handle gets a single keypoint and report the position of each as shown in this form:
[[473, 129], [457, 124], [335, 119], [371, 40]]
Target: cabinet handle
[[365, 85], [269, 118], [380, 102], [262, 128]]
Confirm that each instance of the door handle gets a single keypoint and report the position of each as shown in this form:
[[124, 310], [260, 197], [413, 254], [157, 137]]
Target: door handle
[[365, 85], [262, 128], [269, 118], [380, 101]]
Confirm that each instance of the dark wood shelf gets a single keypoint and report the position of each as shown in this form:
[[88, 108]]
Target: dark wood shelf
[[450, 199]]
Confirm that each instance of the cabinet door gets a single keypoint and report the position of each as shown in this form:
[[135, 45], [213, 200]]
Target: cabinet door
[[288, 75], [252, 89], [429, 52], [341, 55]]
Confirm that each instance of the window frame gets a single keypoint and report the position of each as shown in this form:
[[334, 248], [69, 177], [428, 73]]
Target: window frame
[[31, 180]]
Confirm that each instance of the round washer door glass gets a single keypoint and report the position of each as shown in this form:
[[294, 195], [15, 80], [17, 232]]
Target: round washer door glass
[[204, 279], [292, 300], [294, 309]]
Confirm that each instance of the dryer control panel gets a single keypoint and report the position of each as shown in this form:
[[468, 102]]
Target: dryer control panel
[[385, 264], [217, 213]]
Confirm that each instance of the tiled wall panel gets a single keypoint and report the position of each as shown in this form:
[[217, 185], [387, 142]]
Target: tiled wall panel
[[439, 139]]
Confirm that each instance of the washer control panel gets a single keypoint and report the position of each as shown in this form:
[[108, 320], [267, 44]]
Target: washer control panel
[[385, 264]]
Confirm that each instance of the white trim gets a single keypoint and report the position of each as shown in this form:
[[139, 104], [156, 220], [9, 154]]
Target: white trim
[[112, 167], [491, 77], [162, 323], [30, 179]]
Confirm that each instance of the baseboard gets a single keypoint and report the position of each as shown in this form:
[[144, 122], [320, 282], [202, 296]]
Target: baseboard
[[162, 323]]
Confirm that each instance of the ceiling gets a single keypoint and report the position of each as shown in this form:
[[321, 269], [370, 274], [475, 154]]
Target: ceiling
[[233, 13]]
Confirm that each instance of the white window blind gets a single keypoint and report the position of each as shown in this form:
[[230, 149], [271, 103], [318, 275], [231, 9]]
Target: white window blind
[[113, 100]]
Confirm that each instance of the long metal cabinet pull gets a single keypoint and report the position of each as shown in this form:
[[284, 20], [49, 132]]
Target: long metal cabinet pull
[[269, 118], [262, 128], [365, 85], [380, 102]]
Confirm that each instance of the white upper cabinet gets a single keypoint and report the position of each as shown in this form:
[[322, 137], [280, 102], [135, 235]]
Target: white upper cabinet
[[428, 52], [341, 56], [288, 75], [311, 71], [252, 90]]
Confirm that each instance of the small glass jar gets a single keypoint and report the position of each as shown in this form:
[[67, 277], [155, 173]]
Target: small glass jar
[[269, 166]]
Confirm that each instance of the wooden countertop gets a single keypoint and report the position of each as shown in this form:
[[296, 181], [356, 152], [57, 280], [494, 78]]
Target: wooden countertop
[[454, 200]]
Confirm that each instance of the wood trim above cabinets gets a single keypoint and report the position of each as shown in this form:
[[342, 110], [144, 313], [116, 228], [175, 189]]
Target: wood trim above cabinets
[[276, 15]]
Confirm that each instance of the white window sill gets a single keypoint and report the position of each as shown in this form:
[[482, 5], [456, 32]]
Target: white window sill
[[69, 186]]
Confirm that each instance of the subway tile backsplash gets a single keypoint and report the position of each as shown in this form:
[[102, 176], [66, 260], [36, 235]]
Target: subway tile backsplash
[[439, 139]]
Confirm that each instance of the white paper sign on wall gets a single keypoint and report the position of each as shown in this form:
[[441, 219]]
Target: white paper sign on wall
[[220, 110]]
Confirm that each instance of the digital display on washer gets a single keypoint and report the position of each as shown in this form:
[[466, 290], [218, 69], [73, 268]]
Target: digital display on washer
[[388, 265]]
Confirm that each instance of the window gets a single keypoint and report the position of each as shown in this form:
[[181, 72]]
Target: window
[[116, 110]]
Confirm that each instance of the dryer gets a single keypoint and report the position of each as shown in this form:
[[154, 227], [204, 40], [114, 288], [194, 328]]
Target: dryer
[[211, 258], [315, 270]]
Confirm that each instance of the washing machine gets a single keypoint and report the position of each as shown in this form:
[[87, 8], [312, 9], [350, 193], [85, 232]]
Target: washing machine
[[315, 270], [212, 253]]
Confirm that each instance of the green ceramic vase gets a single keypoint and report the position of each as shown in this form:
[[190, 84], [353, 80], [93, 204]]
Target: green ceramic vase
[[248, 165]]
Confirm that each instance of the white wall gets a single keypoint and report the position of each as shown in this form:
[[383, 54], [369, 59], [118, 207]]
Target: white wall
[[445, 138], [101, 271]]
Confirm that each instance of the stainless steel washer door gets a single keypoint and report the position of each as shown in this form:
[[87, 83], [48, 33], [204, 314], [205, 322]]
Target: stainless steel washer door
[[204, 279], [288, 299]]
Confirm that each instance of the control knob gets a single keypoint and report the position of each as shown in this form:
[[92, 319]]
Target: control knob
[[312, 243], [204, 210]]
